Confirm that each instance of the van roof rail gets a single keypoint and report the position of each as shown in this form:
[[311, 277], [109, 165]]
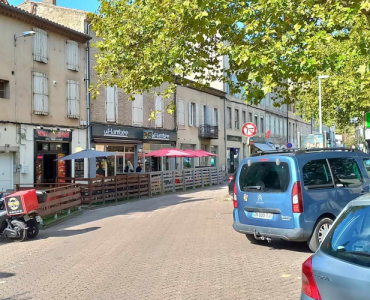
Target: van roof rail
[[302, 151]]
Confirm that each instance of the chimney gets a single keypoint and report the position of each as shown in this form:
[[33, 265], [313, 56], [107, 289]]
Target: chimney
[[50, 1]]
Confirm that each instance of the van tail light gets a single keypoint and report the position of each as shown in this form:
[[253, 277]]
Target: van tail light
[[231, 178], [309, 286], [235, 197], [297, 200]]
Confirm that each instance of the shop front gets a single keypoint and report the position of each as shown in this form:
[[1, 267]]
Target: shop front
[[50, 145], [131, 144], [234, 154]]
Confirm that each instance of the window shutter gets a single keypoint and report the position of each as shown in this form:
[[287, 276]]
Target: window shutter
[[73, 98], [218, 118], [159, 116], [40, 45], [197, 115], [202, 115], [72, 55], [190, 114], [111, 103], [181, 112], [208, 119], [40, 94], [137, 111]]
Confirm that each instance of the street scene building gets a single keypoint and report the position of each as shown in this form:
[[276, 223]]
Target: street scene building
[[42, 98]]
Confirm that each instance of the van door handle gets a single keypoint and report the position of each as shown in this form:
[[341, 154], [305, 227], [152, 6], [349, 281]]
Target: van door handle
[[362, 192]]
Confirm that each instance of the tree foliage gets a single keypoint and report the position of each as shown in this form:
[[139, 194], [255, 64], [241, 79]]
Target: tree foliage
[[272, 46]]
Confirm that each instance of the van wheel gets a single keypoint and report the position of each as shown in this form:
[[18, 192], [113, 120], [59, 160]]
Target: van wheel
[[321, 229], [252, 239]]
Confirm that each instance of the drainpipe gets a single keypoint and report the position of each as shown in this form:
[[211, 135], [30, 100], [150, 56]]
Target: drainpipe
[[91, 161], [225, 134], [173, 160]]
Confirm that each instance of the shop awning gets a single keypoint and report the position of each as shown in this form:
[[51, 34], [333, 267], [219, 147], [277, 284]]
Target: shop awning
[[87, 154], [263, 147]]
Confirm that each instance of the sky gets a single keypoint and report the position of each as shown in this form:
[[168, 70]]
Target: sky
[[88, 5]]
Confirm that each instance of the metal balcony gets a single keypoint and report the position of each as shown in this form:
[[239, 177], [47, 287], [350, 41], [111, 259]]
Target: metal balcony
[[208, 131]]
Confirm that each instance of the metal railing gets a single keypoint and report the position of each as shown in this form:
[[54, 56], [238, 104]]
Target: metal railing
[[208, 131]]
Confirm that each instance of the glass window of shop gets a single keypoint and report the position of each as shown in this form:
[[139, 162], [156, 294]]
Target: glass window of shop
[[187, 162], [214, 150], [122, 162], [154, 164]]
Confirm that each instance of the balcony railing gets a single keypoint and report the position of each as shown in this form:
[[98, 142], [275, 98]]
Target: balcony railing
[[208, 131]]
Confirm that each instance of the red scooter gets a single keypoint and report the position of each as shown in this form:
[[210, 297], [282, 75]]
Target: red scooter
[[18, 214]]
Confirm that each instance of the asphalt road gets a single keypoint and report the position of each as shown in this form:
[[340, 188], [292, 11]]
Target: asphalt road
[[172, 247]]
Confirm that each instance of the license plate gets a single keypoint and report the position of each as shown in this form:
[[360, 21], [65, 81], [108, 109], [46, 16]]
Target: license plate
[[259, 215], [38, 219]]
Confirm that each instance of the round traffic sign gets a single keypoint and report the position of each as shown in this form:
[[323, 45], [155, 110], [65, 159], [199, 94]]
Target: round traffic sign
[[289, 145], [249, 129]]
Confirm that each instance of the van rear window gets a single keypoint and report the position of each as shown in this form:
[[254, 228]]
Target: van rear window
[[264, 177]]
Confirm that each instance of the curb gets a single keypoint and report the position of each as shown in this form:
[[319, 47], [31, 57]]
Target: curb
[[63, 219]]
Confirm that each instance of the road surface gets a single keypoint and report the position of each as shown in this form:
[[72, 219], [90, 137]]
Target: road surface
[[172, 247]]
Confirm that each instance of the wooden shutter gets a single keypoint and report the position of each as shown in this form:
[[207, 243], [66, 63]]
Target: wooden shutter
[[72, 55], [111, 103], [73, 98], [181, 112], [40, 94], [40, 45], [202, 115], [197, 115], [218, 119], [137, 111], [190, 113], [159, 110]]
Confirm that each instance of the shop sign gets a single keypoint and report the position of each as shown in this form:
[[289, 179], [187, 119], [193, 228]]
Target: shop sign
[[115, 132], [52, 135], [150, 135], [233, 138]]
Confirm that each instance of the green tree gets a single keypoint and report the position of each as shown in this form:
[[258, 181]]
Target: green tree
[[271, 45]]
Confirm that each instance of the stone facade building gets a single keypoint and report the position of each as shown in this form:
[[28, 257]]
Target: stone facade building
[[42, 98]]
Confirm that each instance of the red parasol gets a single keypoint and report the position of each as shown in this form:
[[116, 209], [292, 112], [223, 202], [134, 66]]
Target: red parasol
[[174, 152], [202, 153]]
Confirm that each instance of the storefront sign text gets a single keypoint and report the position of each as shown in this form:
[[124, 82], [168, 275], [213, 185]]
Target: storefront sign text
[[115, 132], [52, 135], [150, 135]]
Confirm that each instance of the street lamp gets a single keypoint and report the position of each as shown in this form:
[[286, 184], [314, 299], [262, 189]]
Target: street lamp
[[24, 34], [320, 112]]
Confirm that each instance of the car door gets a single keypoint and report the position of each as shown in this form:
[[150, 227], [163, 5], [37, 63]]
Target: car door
[[348, 179]]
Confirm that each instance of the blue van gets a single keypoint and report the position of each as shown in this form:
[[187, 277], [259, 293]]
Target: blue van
[[296, 194]]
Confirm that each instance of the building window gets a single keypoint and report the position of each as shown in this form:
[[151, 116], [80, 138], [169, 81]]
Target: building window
[[272, 120], [294, 133], [111, 103], [229, 118], [244, 116], [4, 89], [215, 117], [40, 46], [40, 94], [137, 111], [193, 114], [73, 98], [268, 122], [262, 126], [237, 125], [181, 112], [72, 55], [250, 117], [290, 131], [256, 121]]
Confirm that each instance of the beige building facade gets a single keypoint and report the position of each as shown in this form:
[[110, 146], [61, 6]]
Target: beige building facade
[[42, 98], [200, 125]]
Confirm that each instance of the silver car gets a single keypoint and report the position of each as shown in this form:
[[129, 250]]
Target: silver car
[[340, 269]]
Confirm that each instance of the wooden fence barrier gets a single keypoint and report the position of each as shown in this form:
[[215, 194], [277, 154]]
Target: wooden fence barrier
[[60, 197]]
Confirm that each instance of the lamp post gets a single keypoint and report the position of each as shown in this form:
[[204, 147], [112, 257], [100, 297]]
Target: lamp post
[[320, 112], [24, 34]]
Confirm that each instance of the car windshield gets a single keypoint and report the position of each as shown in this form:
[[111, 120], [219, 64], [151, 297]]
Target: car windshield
[[264, 177], [349, 239]]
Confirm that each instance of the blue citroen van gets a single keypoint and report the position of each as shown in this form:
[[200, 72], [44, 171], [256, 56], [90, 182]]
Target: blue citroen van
[[296, 194]]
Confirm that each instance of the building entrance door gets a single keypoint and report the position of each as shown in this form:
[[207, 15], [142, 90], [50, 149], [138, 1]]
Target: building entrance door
[[6, 172], [49, 168]]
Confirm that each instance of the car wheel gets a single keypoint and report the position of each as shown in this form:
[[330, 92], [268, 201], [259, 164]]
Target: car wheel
[[321, 229], [253, 240]]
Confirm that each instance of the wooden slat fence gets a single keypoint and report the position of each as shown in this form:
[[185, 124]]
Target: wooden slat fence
[[60, 197]]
